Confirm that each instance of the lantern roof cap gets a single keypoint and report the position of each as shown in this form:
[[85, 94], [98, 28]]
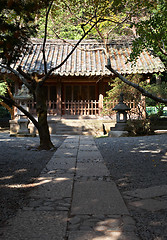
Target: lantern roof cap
[[121, 106], [23, 94]]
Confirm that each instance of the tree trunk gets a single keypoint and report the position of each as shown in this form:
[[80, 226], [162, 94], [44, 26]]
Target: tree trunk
[[45, 140]]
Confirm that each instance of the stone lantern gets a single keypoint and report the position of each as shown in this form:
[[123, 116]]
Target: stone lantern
[[121, 119], [22, 122]]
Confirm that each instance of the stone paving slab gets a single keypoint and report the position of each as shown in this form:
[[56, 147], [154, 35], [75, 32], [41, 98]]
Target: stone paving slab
[[68, 145], [150, 204], [85, 156], [91, 169], [59, 173], [66, 153], [97, 197], [43, 225], [150, 192], [87, 142], [82, 137], [91, 235], [87, 147], [56, 187], [61, 163], [71, 139]]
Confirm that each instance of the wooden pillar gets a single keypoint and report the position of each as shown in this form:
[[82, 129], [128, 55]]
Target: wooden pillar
[[143, 105], [101, 94], [100, 103], [59, 100]]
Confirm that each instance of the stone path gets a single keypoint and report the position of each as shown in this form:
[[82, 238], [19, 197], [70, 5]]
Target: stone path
[[150, 199], [74, 198]]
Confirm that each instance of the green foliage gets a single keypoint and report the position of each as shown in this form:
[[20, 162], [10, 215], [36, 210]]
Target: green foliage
[[117, 16], [151, 32], [117, 86], [69, 18], [159, 90], [3, 88], [61, 23], [111, 14], [130, 93], [17, 25]]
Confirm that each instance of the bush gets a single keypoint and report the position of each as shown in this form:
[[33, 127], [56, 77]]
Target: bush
[[158, 123], [4, 112], [139, 127]]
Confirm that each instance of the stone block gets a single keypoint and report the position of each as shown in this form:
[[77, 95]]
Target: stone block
[[150, 204], [66, 153], [13, 127], [87, 147], [118, 134], [61, 163], [91, 235], [91, 169], [96, 197], [85, 156], [68, 146], [150, 192]]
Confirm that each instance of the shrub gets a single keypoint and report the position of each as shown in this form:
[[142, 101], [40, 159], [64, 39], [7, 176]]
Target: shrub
[[4, 112], [139, 127]]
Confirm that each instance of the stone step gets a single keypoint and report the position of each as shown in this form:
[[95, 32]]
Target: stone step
[[73, 133], [77, 126]]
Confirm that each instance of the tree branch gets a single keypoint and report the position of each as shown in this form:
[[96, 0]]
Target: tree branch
[[66, 58], [44, 42], [72, 14], [100, 34], [18, 75], [140, 89], [162, 50], [23, 74], [73, 45], [9, 101]]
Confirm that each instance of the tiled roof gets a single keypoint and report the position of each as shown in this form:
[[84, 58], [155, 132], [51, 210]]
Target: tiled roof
[[88, 59]]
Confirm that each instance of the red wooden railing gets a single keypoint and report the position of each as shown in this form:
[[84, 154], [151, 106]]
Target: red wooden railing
[[51, 107], [89, 107], [69, 107]]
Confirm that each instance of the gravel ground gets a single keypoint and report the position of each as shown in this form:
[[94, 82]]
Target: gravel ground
[[139, 162], [134, 162], [20, 163]]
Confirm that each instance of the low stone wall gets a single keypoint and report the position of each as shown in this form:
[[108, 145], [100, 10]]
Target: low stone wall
[[13, 127], [93, 127]]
